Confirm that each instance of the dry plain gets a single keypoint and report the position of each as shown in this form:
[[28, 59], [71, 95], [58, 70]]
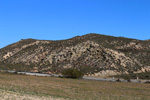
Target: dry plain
[[22, 87]]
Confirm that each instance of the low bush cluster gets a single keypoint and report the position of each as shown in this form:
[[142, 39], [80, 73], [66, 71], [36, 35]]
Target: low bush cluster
[[143, 75], [72, 73]]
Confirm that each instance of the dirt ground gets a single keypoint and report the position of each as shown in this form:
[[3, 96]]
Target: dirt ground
[[9, 95]]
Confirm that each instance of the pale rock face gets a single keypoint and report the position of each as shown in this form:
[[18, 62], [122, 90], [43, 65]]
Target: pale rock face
[[67, 66], [16, 50], [144, 69], [9, 54], [119, 57], [25, 46], [132, 45], [106, 73], [72, 53]]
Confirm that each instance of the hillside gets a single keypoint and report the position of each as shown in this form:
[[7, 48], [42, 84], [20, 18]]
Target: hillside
[[93, 54]]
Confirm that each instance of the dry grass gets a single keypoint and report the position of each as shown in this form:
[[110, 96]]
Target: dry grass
[[74, 89], [9, 95]]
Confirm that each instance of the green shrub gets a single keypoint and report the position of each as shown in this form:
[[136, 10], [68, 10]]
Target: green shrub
[[126, 77], [72, 73], [118, 80]]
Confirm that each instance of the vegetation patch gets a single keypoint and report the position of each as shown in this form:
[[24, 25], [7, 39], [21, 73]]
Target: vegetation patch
[[143, 75], [72, 73]]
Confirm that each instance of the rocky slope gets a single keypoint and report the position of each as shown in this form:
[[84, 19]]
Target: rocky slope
[[91, 53]]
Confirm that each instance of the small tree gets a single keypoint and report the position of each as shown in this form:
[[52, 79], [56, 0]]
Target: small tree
[[127, 78], [72, 73], [118, 80]]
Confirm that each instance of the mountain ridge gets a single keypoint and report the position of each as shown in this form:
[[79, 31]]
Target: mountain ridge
[[93, 54]]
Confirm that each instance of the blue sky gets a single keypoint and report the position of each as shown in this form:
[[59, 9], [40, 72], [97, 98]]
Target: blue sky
[[63, 19]]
